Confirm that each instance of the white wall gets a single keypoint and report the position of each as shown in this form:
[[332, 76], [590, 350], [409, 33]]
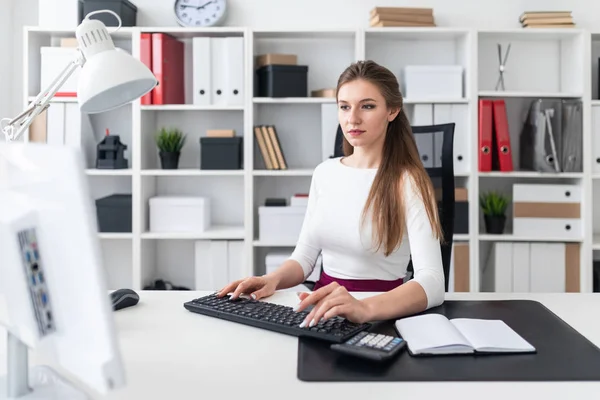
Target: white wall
[[312, 14], [6, 60]]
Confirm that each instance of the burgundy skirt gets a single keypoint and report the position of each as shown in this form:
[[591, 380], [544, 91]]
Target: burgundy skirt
[[359, 285]]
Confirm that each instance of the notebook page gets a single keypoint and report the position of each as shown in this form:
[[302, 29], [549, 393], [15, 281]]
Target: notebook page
[[430, 331], [491, 335]]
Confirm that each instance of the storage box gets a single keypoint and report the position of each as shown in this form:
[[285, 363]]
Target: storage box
[[547, 211], [53, 62], [280, 224], [461, 209], [432, 82], [221, 152], [179, 214], [126, 10], [282, 81], [114, 213]]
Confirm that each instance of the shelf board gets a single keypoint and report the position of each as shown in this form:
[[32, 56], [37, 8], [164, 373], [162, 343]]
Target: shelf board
[[461, 237], [531, 174], [304, 33], [507, 237], [596, 242], [496, 93], [530, 33], [259, 243], [269, 243], [293, 100], [415, 33], [192, 172], [56, 99], [216, 232], [440, 100], [190, 32], [124, 32], [108, 172], [285, 172], [115, 236], [190, 107]]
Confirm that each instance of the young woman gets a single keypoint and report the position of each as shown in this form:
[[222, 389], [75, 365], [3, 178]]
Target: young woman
[[368, 213]]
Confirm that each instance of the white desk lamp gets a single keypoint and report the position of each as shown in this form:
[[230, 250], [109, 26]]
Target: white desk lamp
[[109, 77]]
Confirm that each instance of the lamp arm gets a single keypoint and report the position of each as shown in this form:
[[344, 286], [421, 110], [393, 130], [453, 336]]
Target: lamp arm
[[14, 128]]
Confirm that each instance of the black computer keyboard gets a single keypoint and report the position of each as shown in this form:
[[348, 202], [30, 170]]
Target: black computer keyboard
[[274, 317]]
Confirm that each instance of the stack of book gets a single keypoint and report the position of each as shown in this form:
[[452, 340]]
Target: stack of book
[[401, 16], [546, 19], [270, 147]]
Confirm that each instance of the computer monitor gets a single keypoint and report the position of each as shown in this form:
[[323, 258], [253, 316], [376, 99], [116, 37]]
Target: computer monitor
[[52, 278]]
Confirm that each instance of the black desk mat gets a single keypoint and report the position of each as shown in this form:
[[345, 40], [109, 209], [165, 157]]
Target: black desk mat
[[563, 354]]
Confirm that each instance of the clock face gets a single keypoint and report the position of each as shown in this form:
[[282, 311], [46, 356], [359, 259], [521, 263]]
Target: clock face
[[200, 12]]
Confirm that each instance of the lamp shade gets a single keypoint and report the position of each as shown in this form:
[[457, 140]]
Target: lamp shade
[[110, 77]]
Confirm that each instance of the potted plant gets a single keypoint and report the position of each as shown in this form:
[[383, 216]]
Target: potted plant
[[169, 143], [494, 204]]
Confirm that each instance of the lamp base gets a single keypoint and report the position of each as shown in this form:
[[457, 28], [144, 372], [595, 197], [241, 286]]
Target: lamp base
[[45, 384]]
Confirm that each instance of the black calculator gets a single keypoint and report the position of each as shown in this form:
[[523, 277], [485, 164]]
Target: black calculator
[[370, 345]]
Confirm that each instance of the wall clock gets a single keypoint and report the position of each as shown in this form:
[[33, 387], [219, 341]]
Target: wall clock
[[200, 13]]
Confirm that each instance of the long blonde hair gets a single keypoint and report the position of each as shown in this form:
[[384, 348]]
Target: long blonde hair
[[400, 160]]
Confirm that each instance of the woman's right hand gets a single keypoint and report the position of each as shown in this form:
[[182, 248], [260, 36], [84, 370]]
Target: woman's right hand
[[256, 287]]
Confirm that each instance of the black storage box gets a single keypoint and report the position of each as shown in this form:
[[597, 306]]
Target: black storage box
[[282, 81], [123, 8], [221, 152], [461, 217], [114, 213]]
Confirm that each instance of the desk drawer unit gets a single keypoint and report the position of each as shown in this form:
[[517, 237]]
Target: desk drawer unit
[[547, 211]]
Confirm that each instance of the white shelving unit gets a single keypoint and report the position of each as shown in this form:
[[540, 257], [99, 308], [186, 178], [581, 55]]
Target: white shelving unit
[[547, 63]]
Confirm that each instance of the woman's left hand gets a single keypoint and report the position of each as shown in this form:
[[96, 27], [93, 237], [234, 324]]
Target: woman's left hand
[[330, 301]]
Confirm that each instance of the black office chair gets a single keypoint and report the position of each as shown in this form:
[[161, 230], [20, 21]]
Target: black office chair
[[441, 176]]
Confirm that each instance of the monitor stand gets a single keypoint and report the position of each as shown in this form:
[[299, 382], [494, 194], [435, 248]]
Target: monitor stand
[[37, 383]]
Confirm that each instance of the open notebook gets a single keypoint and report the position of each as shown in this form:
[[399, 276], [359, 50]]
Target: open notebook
[[435, 334]]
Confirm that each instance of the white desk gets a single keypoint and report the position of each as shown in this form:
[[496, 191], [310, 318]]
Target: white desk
[[171, 353]]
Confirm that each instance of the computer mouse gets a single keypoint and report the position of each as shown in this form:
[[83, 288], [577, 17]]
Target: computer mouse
[[123, 298]]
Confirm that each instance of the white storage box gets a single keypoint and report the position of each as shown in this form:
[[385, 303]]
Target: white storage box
[[179, 214], [432, 82], [547, 211], [53, 61], [280, 224]]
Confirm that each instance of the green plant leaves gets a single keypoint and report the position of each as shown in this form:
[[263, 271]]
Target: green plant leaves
[[170, 140], [493, 203]]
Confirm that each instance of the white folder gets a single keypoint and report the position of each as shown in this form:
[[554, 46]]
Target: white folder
[[442, 114], [459, 115], [234, 66], [329, 125], [219, 263], [547, 267], [425, 146], [211, 264], [202, 264], [56, 124], [235, 260], [520, 267], [503, 267], [596, 139], [423, 115], [218, 83], [202, 70]]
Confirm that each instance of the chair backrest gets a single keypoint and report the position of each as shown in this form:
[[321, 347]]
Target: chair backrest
[[441, 171]]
